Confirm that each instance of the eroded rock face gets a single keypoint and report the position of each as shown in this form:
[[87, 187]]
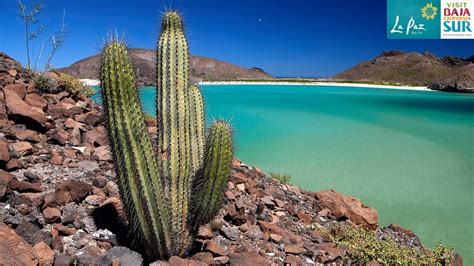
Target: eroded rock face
[[14, 250], [347, 207]]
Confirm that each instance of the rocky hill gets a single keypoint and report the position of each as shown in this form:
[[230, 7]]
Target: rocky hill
[[60, 204], [202, 68], [423, 69]]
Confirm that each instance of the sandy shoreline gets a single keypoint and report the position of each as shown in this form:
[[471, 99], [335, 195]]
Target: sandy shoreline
[[90, 82], [334, 84], [94, 82]]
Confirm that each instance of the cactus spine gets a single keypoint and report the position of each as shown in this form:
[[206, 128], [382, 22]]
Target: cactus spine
[[156, 187]]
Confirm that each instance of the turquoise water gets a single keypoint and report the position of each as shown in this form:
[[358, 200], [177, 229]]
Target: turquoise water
[[409, 154]]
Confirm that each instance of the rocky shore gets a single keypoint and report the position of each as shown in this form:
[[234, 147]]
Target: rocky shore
[[59, 201]]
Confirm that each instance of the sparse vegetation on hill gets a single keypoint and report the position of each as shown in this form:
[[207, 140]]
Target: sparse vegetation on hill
[[143, 60], [446, 73]]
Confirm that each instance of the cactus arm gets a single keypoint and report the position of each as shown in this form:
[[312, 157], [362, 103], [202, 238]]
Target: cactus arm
[[173, 123], [210, 187], [135, 162], [196, 126]]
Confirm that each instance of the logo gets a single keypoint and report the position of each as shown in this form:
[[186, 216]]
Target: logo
[[430, 19], [429, 11], [456, 19]]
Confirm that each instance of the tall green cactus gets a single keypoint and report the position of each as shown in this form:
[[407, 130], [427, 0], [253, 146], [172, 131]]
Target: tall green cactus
[[157, 186]]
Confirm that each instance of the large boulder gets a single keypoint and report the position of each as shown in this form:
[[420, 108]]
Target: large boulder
[[14, 250], [23, 113], [347, 207]]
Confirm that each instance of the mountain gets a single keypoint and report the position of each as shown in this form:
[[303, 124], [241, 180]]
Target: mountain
[[202, 68], [423, 69]]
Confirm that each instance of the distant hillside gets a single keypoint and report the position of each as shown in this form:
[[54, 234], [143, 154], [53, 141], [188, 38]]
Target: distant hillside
[[446, 73], [202, 68]]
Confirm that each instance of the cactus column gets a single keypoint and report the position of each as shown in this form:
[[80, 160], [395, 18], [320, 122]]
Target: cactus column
[[173, 123], [135, 163], [156, 187]]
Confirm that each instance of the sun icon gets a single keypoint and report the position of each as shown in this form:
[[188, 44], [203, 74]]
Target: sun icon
[[429, 11]]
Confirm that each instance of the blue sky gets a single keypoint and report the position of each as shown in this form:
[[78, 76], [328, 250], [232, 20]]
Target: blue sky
[[284, 37]]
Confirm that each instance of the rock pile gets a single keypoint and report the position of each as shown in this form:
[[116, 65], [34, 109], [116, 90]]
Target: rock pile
[[59, 201]]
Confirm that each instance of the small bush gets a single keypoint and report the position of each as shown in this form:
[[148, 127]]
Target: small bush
[[72, 85], [366, 247], [284, 178], [45, 83]]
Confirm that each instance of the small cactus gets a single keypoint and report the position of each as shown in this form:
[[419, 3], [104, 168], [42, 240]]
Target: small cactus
[[157, 187]]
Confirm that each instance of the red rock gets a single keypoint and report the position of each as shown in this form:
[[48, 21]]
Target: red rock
[[205, 231], [44, 254], [35, 100], [51, 215], [292, 260], [17, 107], [59, 137], [275, 238], [28, 135], [205, 257], [331, 252], [71, 123], [56, 158], [259, 172], [14, 250], [279, 203], [343, 206], [56, 242], [293, 189], [398, 228], [93, 118], [177, 261], [251, 258], [70, 153], [213, 247], [23, 208], [103, 153], [14, 164], [241, 187], [22, 186], [12, 72], [229, 195], [221, 260], [271, 228], [22, 148], [294, 249], [96, 136], [4, 152], [5, 179], [304, 217], [72, 190], [94, 200], [35, 198], [64, 230], [18, 88]]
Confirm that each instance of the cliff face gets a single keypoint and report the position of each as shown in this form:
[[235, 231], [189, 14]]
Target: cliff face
[[202, 68], [424, 69]]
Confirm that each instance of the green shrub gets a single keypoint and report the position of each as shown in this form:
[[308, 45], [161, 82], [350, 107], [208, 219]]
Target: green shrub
[[365, 247], [72, 85], [45, 83], [284, 178]]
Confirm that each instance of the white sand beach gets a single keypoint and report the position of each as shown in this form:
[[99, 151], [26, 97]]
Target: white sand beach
[[95, 82], [325, 83], [90, 82]]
